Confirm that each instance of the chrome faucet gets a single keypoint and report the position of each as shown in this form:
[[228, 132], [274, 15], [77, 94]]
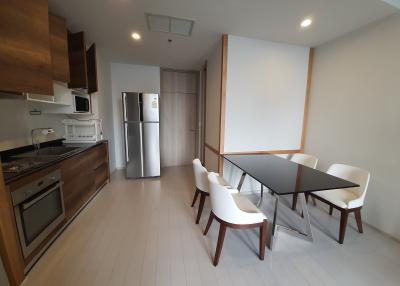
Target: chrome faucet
[[45, 131]]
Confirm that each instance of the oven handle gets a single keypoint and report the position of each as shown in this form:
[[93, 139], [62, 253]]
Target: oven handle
[[28, 205]]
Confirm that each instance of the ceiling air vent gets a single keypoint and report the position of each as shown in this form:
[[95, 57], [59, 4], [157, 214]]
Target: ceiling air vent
[[167, 24]]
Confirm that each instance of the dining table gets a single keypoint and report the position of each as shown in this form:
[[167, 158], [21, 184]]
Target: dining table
[[283, 177]]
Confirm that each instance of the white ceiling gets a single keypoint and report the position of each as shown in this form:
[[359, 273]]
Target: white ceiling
[[109, 23]]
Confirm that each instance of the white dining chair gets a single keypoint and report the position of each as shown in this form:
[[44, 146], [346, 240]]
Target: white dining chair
[[283, 156], [234, 211], [346, 200], [306, 160], [202, 185]]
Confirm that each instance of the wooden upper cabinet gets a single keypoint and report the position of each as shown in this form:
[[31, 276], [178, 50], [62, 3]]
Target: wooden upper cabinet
[[25, 60], [82, 63], [92, 69], [77, 60], [59, 48]]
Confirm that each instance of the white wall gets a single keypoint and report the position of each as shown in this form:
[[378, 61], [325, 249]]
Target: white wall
[[102, 104], [266, 87], [125, 77], [354, 114], [265, 96], [16, 124]]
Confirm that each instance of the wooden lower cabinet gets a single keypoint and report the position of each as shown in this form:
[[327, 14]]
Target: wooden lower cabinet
[[101, 175], [10, 251], [78, 187], [82, 176]]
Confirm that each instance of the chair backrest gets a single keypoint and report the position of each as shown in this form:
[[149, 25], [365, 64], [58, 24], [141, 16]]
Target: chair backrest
[[200, 176], [305, 159], [222, 203], [352, 174]]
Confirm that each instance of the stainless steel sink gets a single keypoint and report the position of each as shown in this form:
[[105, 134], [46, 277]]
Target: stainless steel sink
[[48, 152]]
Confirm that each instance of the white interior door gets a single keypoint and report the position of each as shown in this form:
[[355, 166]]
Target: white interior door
[[178, 117]]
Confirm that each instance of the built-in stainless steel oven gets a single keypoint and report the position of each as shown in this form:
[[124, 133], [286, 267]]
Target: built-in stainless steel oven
[[39, 209]]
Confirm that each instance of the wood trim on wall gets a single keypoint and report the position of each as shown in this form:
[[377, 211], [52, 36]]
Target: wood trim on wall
[[10, 250], [211, 148], [204, 87], [307, 99], [263, 152], [224, 67]]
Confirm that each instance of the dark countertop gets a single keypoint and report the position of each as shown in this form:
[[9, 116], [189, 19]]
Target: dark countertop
[[43, 162]]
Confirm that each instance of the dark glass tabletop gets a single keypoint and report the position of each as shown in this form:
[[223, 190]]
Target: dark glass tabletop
[[285, 177]]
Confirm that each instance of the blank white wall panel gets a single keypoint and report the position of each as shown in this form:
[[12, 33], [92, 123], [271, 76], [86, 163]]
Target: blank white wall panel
[[266, 88]]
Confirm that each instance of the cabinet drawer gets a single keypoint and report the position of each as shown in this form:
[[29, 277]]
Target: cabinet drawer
[[101, 175], [78, 182], [98, 156]]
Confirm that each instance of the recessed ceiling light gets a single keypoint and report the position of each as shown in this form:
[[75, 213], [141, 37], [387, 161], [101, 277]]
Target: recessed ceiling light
[[306, 23], [136, 36]]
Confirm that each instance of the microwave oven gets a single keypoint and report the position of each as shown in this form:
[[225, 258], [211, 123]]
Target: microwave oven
[[81, 102]]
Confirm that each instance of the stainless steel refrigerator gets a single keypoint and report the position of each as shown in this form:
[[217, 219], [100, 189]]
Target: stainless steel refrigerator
[[142, 134]]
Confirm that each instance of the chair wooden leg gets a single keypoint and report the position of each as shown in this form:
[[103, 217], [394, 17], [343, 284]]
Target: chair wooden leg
[[294, 202], [263, 239], [221, 237], [330, 210], [196, 194], [314, 201], [357, 214], [210, 220], [343, 223], [201, 205]]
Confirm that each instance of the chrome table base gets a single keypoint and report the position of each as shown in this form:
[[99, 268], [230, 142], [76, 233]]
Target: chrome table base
[[274, 227]]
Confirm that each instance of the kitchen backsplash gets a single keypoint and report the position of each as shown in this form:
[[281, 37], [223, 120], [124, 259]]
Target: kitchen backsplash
[[16, 124]]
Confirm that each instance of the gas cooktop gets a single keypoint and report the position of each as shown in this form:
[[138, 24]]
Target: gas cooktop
[[19, 166]]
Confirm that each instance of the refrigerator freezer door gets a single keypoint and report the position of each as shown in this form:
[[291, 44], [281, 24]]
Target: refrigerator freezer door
[[151, 149], [150, 107], [133, 150], [131, 106]]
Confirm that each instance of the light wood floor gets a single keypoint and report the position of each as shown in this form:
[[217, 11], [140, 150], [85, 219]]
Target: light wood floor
[[142, 232]]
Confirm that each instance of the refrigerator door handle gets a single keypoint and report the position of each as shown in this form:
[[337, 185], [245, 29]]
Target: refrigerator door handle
[[141, 147], [126, 143], [140, 107], [124, 106]]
